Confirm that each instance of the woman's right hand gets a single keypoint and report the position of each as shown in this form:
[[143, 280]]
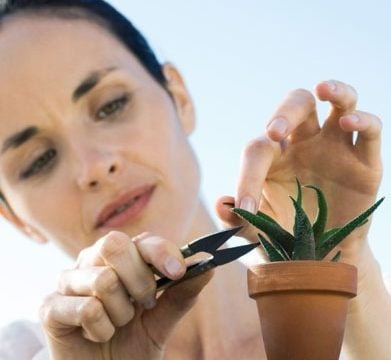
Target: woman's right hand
[[106, 307]]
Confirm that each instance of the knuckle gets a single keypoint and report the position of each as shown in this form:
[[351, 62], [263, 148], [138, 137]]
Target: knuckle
[[127, 316], [305, 95], [353, 91], [377, 122], [257, 145], [160, 247], [82, 254], [106, 280], [63, 285], [142, 236], [46, 311], [113, 244], [90, 310], [145, 291]]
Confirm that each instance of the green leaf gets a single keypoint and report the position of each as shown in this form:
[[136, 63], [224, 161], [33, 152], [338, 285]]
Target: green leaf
[[275, 243], [299, 193], [363, 223], [321, 217], [326, 235], [266, 217], [337, 256], [273, 230], [331, 232], [280, 249], [304, 248], [332, 241], [272, 252]]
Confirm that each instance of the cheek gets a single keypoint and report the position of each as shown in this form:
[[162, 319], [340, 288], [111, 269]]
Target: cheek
[[51, 210]]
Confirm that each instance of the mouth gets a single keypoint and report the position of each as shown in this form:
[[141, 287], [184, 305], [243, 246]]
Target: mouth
[[125, 209]]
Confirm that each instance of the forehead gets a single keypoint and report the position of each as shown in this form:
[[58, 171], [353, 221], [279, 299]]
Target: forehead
[[39, 52]]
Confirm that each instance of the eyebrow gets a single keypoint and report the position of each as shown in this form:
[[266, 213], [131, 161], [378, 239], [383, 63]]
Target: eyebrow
[[21, 137], [90, 82]]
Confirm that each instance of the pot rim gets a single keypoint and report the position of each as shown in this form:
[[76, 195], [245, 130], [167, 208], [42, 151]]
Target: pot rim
[[302, 275]]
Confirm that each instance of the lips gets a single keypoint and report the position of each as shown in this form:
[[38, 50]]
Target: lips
[[125, 208]]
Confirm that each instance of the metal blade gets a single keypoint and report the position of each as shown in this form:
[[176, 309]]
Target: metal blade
[[210, 242], [225, 256]]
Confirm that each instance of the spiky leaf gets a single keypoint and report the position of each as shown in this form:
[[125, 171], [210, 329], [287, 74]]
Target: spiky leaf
[[332, 241], [274, 243], [331, 232], [336, 257], [273, 230], [299, 193], [326, 235], [272, 252], [321, 217], [280, 249], [304, 248], [267, 217]]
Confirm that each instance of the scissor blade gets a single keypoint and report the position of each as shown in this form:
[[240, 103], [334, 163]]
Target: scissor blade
[[225, 256], [209, 243]]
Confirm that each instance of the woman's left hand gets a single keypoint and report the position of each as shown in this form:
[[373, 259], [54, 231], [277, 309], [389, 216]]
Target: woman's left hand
[[295, 145]]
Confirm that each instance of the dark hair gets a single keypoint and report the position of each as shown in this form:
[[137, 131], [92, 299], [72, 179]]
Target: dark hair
[[98, 11]]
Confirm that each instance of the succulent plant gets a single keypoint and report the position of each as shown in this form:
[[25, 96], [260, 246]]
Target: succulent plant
[[308, 241]]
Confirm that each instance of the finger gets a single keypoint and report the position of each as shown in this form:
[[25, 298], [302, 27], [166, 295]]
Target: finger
[[119, 252], [296, 116], [256, 161], [173, 304], [343, 97], [102, 283], [163, 254], [368, 142], [343, 100], [223, 207], [59, 314]]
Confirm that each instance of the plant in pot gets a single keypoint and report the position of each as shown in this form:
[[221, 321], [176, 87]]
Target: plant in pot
[[302, 298]]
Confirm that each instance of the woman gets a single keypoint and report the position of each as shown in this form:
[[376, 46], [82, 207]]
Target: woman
[[104, 133]]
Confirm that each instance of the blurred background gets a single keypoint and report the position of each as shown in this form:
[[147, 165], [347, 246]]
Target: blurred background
[[239, 60]]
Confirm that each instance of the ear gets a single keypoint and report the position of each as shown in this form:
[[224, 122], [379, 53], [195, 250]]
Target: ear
[[7, 213], [182, 100]]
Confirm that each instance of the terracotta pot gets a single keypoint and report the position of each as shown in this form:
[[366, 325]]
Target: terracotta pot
[[302, 307]]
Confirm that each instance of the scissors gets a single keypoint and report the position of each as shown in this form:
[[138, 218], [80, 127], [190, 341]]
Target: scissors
[[209, 244]]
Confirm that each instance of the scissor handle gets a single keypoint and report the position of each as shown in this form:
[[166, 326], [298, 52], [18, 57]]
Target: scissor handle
[[192, 271]]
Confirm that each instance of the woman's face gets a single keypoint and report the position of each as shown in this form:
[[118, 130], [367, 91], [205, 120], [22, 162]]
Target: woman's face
[[89, 141]]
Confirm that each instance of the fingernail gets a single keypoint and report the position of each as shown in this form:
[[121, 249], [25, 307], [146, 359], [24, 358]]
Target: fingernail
[[230, 204], [278, 125], [149, 304], [173, 266], [331, 85], [248, 203]]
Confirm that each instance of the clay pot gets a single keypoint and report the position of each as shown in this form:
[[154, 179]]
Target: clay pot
[[302, 307]]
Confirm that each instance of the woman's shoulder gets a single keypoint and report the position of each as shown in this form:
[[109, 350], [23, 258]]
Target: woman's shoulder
[[22, 340]]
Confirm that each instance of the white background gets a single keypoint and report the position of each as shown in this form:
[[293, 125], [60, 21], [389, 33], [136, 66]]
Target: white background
[[239, 59]]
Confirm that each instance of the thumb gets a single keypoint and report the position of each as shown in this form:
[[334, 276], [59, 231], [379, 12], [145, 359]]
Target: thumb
[[172, 305], [224, 206]]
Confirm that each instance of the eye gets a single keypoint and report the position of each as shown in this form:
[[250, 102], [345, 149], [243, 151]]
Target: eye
[[112, 107], [40, 164]]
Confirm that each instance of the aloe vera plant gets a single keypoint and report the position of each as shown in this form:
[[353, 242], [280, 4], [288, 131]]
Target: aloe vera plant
[[308, 241]]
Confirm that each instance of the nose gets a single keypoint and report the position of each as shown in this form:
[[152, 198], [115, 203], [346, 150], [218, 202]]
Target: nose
[[97, 169]]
